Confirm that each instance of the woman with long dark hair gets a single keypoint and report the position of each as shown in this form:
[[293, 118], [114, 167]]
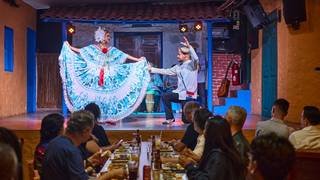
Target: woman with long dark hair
[[51, 127], [200, 118], [220, 159]]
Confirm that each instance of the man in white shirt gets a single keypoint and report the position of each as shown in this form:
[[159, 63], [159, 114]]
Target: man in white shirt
[[186, 71], [308, 138], [276, 124]]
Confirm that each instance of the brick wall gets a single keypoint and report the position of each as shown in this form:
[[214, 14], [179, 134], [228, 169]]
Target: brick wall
[[219, 67]]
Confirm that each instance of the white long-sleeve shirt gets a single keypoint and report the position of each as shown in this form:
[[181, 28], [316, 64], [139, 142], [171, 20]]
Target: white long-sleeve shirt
[[198, 150], [307, 138], [187, 76]]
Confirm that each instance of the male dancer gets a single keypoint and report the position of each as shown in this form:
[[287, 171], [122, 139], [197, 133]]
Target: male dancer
[[186, 71]]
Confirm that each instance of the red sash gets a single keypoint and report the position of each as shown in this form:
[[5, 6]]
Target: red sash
[[189, 93], [101, 77]]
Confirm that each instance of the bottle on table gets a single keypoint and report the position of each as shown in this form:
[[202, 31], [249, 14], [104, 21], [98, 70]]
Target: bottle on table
[[138, 137], [153, 138], [146, 172], [157, 160], [133, 170]]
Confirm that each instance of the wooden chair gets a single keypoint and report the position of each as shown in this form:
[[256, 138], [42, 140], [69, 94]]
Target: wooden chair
[[306, 166], [33, 174]]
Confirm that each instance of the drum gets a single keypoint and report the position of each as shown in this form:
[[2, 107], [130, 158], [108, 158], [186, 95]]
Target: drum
[[150, 102]]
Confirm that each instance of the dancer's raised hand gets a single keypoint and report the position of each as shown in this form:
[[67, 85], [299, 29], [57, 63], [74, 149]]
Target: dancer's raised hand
[[149, 66], [67, 43], [186, 42]]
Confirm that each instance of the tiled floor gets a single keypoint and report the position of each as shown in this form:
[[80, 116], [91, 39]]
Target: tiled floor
[[143, 121]]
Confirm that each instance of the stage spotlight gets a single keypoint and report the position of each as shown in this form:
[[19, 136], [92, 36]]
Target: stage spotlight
[[197, 26], [183, 28], [71, 29]]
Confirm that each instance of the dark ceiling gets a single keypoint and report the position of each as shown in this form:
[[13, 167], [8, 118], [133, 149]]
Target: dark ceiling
[[134, 12], [43, 4]]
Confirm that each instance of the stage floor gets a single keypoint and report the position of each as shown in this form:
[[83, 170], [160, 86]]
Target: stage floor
[[142, 121]]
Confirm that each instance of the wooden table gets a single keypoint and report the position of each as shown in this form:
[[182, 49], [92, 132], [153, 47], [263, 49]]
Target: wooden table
[[144, 159]]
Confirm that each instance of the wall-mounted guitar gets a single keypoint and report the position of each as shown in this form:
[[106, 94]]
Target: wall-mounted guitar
[[225, 84]]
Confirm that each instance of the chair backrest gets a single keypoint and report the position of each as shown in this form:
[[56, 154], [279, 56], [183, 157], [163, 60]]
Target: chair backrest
[[33, 174], [306, 166]]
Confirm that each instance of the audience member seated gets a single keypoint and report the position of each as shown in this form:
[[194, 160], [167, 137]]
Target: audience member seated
[[236, 117], [63, 158], [271, 158], [9, 138], [190, 136], [276, 123], [308, 138], [51, 127], [220, 159], [100, 139], [199, 120], [8, 163]]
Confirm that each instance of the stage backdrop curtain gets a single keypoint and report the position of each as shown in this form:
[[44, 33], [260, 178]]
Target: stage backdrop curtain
[[49, 86]]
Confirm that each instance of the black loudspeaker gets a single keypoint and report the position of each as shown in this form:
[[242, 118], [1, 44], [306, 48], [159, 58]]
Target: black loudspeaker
[[253, 37], [294, 11], [222, 46], [255, 14]]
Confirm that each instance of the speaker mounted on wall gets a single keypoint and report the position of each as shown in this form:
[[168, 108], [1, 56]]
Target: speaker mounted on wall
[[294, 12], [255, 14], [252, 37]]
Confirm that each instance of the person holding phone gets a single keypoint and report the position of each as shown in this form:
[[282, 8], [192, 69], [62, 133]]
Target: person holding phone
[[99, 139]]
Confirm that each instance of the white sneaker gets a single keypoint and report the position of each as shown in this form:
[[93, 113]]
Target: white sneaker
[[168, 121]]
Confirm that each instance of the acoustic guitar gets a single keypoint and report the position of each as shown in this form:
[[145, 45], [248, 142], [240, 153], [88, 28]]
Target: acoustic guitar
[[225, 84]]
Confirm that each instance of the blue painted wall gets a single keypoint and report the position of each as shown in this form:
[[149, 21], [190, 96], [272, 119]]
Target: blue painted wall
[[8, 49], [243, 99], [269, 68], [64, 38], [209, 55], [31, 71]]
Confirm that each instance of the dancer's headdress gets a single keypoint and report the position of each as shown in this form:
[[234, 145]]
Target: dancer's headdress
[[99, 34]]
